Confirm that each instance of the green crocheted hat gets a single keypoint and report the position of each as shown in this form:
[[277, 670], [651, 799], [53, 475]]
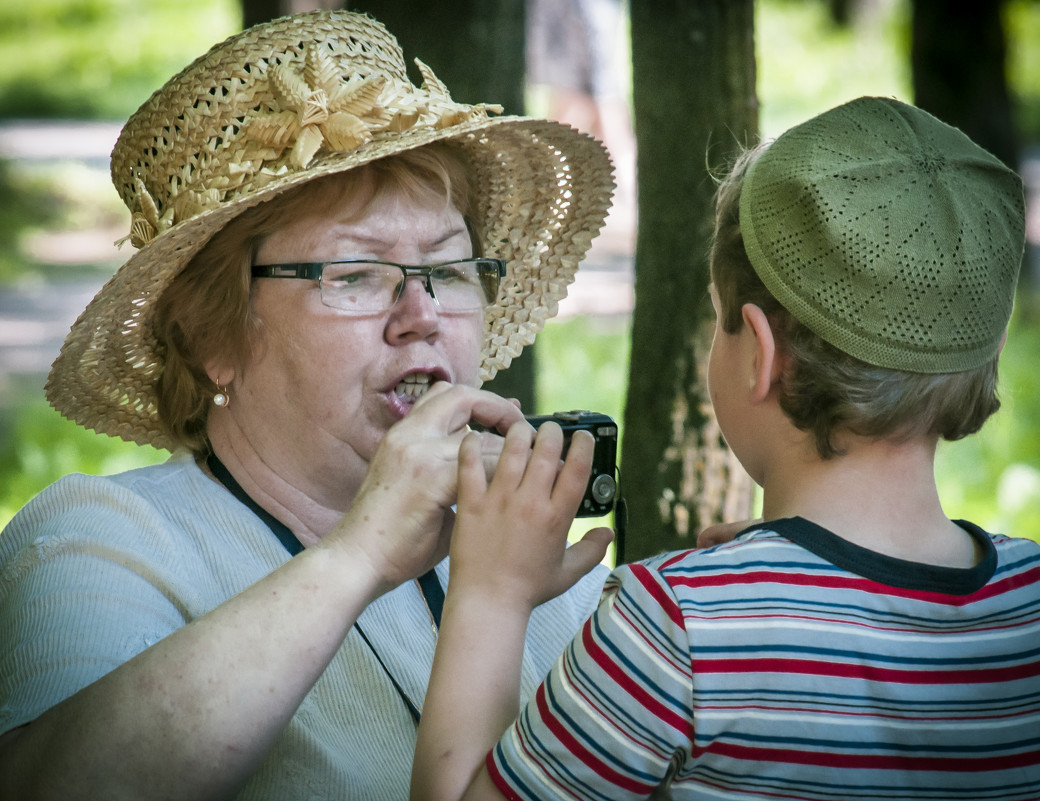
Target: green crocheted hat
[[889, 234]]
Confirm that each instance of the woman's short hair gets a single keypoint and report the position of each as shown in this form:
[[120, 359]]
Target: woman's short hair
[[824, 391], [206, 312]]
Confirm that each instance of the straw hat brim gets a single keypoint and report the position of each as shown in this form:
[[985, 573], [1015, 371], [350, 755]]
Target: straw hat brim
[[547, 190]]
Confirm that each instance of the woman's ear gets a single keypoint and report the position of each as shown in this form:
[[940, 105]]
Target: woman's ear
[[220, 374], [767, 361]]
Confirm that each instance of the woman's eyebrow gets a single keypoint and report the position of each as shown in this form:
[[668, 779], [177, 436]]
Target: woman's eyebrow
[[375, 239]]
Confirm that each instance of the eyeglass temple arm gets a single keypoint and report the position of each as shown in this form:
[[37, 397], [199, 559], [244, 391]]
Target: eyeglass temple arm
[[308, 270]]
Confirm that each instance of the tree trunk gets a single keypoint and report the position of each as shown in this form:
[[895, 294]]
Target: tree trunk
[[958, 59], [958, 52], [477, 48], [694, 97], [257, 11]]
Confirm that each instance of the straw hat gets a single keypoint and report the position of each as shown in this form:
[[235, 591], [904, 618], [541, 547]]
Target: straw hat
[[286, 102]]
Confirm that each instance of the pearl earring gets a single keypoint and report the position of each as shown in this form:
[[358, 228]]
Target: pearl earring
[[221, 398]]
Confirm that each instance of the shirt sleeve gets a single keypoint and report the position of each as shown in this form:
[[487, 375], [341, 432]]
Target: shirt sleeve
[[75, 603], [613, 717]]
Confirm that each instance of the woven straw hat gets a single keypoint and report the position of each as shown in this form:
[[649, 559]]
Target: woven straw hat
[[286, 102], [889, 234]]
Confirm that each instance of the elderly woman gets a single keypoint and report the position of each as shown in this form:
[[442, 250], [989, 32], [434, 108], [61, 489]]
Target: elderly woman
[[330, 262]]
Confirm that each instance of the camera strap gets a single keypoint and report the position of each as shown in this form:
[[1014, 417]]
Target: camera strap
[[428, 582]]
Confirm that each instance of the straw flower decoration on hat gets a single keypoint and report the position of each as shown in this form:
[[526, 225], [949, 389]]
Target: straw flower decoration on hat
[[279, 105]]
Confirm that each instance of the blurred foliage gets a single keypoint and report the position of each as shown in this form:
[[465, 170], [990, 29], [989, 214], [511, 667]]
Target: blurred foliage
[[53, 198], [582, 363], [1022, 24], [100, 59], [808, 64], [45, 446], [97, 59], [993, 478], [25, 203]]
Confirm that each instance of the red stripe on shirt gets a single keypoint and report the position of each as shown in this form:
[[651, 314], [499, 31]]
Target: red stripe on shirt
[[926, 674], [854, 583], [631, 686], [582, 754], [891, 762]]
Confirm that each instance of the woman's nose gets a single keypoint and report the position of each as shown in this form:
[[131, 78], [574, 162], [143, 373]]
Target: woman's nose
[[415, 312]]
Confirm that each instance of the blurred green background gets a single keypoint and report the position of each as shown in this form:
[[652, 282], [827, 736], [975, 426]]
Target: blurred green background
[[97, 60]]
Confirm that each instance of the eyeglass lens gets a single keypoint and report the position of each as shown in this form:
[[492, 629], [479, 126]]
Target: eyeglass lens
[[373, 286]]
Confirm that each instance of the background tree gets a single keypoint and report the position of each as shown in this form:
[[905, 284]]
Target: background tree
[[257, 11], [957, 59], [970, 93], [694, 102]]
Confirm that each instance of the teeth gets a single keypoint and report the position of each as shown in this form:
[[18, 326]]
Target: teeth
[[414, 385]]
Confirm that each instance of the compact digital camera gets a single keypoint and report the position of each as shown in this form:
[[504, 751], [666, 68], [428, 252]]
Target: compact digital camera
[[602, 490]]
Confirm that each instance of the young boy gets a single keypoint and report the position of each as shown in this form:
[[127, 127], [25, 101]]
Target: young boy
[[860, 644]]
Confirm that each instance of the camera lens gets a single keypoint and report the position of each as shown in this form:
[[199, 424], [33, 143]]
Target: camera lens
[[603, 488]]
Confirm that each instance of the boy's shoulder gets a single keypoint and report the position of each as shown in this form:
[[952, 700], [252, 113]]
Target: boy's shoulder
[[757, 542]]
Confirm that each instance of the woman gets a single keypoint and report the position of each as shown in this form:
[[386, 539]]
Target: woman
[[331, 261]]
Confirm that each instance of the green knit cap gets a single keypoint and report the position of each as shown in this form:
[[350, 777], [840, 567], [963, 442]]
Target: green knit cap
[[889, 234]]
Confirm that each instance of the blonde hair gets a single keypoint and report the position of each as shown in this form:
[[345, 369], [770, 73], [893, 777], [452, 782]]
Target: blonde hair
[[824, 391], [205, 313]]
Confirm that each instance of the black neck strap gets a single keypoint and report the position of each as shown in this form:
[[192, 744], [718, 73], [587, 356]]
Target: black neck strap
[[428, 582], [434, 595], [278, 528]]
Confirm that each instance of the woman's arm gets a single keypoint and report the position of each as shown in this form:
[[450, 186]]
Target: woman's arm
[[193, 715], [509, 554]]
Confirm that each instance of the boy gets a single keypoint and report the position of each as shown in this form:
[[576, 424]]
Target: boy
[[860, 644]]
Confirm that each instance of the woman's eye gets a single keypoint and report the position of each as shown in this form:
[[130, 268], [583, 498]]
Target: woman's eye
[[451, 273], [353, 275]]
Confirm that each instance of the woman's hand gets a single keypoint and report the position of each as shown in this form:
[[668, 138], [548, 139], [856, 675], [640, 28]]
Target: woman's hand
[[401, 518]]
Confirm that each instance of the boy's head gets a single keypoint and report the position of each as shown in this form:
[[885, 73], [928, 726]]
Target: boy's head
[[884, 246]]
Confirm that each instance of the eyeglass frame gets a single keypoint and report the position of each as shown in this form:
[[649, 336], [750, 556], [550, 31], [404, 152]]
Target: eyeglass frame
[[313, 271]]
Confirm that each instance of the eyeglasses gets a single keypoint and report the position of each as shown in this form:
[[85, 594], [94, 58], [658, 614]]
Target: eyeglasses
[[361, 286]]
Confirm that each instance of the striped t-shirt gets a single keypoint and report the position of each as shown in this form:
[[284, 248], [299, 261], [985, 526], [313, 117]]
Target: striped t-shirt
[[792, 664]]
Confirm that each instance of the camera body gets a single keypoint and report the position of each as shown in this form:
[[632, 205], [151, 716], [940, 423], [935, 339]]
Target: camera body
[[602, 489]]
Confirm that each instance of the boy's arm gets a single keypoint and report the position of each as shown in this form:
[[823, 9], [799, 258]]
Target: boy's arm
[[508, 554]]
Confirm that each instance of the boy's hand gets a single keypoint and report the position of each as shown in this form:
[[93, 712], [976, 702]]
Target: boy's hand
[[510, 537], [722, 532]]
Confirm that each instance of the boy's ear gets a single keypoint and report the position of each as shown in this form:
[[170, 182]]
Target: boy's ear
[[768, 362]]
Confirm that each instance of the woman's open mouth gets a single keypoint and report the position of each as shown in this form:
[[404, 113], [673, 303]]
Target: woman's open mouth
[[413, 386]]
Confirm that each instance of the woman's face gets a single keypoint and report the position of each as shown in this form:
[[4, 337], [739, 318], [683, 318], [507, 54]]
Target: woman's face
[[324, 386]]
